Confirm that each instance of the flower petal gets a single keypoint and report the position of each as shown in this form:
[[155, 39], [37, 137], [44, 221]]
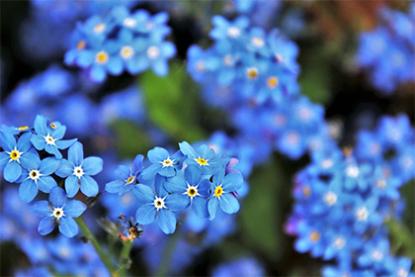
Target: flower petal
[[42, 208], [176, 184], [89, 186], [213, 207], [229, 204], [76, 153], [30, 161], [114, 186], [68, 227], [177, 202], [38, 142], [46, 183], [167, 221], [65, 169], [144, 194], [12, 171], [27, 191], [187, 149], [57, 197], [46, 225], [157, 154], [92, 165], [65, 143], [232, 182], [49, 166], [74, 208], [71, 186], [146, 214]]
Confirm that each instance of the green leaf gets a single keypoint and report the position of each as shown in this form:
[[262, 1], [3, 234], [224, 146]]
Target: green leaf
[[130, 139], [172, 103], [261, 220], [402, 239]]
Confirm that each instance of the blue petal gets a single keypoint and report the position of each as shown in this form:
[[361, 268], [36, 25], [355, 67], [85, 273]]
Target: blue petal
[[59, 132], [187, 149], [160, 67], [114, 186], [144, 194], [149, 172], [57, 197], [27, 191], [65, 169], [177, 202], [166, 221], [213, 207], [232, 182], [193, 174], [63, 144], [176, 184], [38, 142], [46, 183], [97, 74], [52, 149], [71, 186], [49, 166], [89, 186], [30, 160], [76, 153], [7, 141], [167, 171], [115, 66], [199, 205], [229, 204], [92, 165], [74, 208], [46, 225], [4, 158], [146, 214], [23, 144], [40, 125], [68, 227], [12, 171], [157, 154], [42, 208]]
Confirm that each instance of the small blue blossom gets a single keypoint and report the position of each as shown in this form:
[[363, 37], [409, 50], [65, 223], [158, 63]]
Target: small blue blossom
[[59, 211], [77, 172], [161, 163], [202, 156]]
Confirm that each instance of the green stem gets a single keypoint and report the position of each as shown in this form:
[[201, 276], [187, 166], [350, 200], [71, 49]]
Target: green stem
[[167, 255], [125, 257], [105, 258]]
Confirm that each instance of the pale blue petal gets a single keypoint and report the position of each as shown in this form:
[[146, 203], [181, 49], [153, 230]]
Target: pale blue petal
[[177, 202], [71, 186], [213, 207], [68, 227], [42, 208], [27, 191], [114, 186], [146, 214], [46, 183], [176, 184], [89, 186], [46, 226], [12, 171], [38, 142], [49, 166], [63, 144], [57, 197], [199, 205], [232, 182], [65, 169], [40, 125], [30, 161], [144, 194], [229, 204], [92, 165], [166, 221], [157, 154], [187, 149], [74, 208], [76, 153]]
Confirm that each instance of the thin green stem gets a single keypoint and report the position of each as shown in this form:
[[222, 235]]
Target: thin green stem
[[125, 257], [167, 255], [104, 256]]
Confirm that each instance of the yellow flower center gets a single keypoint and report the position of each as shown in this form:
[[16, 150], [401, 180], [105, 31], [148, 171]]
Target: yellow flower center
[[191, 191], [306, 191], [101, 57], [252, 73], [81, 45], [53, 125], [58, 213], [315, 236], [23, 128], [15, 155], [130, 180], [167, 162], [272, 82], [127, 52], [202, 161], [49, 140], [218, 191]]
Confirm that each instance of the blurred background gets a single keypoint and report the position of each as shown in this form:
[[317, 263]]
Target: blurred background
[[127, 115]]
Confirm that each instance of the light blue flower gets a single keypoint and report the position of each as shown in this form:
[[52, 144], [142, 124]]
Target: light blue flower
[[203, 157], [36, 176], [223, 195], [48, 137], [161, 163], [78, 172], [59, 211]]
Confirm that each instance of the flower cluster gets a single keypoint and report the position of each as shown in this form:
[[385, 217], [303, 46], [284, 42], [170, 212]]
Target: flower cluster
[[167, 183], [256, 66], [389, 50], [361, 190], [32, 158], [121, 41]]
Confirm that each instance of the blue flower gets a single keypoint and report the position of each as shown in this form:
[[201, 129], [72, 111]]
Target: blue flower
[[203, 157], [15, 153], [161, 163], [158, 207], [37, 176], [223, 191], [59, 211], [49, 137], [128, 177], [78, 172], [193, 187]]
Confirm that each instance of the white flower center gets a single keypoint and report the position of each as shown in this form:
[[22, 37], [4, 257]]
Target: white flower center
[[153, 52], [377, 255], [402, 272], [159, 203], [257, 42], [362, 214], [228, 60], [78, 171], [127, 52], [49, 139], [327, 163], [58, 213], [330, 198], [34, 175], [339, 242], [130, 22], [191, 191], [99, 28], [167, 162], [234, 32], [200, 66], [352, 171]]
